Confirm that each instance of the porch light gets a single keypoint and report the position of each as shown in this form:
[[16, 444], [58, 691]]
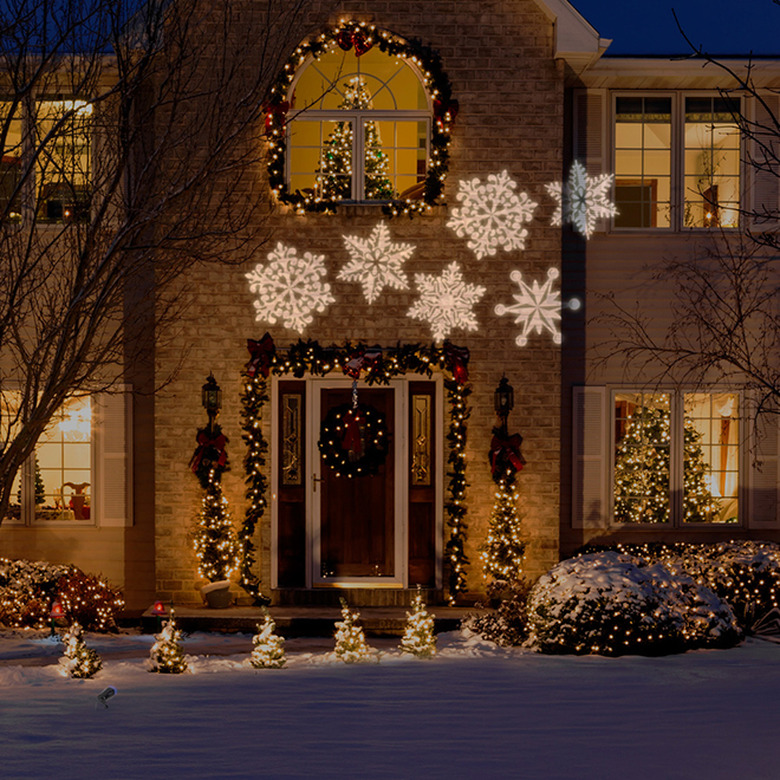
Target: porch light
[[211, 398], [504, 400]]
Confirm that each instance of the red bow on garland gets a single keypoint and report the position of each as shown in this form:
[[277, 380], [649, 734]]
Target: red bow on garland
[[457, 359], [505, 454], [365, 359], [274, 111], [348, 37], [210, 448], [261, 355], [442, 109]]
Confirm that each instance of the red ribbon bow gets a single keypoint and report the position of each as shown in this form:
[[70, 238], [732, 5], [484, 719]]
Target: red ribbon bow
[[505, 453], [261, 355], [209, 446], [274, 111], [366, 359], [354, 36], [442, 108], [457, 359]]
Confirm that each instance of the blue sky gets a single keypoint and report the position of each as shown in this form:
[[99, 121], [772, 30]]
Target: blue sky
[[723, 27]]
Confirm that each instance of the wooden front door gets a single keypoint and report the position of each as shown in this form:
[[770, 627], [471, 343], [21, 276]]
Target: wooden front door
[[357, 523]]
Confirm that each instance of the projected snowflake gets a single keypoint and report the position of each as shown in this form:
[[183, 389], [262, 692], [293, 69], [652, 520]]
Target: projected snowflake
[[376, 262], [582, 200], [290, 288], [446, 302], [492, 214], [537, 307]]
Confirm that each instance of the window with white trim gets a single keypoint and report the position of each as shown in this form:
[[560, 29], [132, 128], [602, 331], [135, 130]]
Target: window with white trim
[[359, 129], [675, 458], [676, 160]]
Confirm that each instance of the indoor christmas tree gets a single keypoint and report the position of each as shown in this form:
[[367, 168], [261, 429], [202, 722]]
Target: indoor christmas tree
[[351, 646], [167, 655], [79, 660], [216, 543], [642, 471], [268, 647], [418, 638], [335, 174]]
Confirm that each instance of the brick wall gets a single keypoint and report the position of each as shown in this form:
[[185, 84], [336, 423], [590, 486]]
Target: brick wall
[[497, 54]]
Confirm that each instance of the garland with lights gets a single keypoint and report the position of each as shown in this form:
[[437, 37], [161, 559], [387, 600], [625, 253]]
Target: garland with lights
[[353, 440], [378, 366], [363, 36]]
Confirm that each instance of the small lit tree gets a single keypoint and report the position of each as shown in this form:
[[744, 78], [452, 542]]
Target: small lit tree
[[268, 646], [351, 645], [167, 655], [79, 660], [418, 638]]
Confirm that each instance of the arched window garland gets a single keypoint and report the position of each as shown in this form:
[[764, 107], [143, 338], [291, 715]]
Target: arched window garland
[[378, 366], [364, 36]]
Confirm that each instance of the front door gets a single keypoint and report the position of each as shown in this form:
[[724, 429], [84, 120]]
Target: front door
[[356, 534]]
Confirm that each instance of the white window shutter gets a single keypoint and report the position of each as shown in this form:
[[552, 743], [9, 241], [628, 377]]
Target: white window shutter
[[764, 184], [112, 459], [590, 130], [590, 505], [764, 484]]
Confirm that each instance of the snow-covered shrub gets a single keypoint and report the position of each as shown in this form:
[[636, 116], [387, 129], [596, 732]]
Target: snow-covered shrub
[[167, 655], [78, 660], [351, 646], [28, 588], [507, 624], [612, 604], [418, 638]]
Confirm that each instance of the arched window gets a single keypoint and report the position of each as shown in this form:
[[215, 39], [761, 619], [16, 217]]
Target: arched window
[[362, 123]]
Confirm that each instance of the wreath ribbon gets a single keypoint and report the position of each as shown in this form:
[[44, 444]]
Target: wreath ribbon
[[458, 360], [261, 355]]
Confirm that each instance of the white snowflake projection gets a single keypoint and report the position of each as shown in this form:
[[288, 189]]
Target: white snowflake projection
[[376, 262], [537, 307], [446, 301], [583, 199], [290, 288], [492, 214]]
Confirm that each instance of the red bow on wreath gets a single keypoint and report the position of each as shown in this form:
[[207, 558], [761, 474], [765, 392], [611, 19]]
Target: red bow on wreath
[[274, 111], [365, 359], [354, 36], [505, 454], [441, 109], [457, 359], [261, 355], [210, 448]]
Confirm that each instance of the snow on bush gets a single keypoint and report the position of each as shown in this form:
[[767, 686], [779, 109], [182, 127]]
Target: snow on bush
[[612, 604]]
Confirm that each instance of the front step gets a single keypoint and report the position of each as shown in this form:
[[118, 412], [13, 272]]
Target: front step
[[355, 597], [302, 621]]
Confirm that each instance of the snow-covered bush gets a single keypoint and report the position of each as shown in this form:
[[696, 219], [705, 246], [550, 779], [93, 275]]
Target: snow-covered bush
[[612, 604], [507, 624], [351, 646], [167, 655], [418, 638], [28, 588], [267, 645]]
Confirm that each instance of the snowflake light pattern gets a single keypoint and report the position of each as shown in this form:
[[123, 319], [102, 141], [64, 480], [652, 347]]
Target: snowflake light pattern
[[290, 288], [537, 307], [446, 302], [583, 199], [492, 214], [376, 262]]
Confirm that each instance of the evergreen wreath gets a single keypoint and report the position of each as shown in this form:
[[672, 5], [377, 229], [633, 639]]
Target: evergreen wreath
[[354, 440], [363, 36]]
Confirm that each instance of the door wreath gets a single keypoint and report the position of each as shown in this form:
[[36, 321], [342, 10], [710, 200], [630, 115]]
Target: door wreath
[[354, 440]]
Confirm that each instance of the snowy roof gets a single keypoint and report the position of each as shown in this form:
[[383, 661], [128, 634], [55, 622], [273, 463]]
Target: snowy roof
[[720, 27]]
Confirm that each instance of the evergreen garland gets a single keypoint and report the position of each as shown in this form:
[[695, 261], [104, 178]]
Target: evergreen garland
[[309, 357], [436, 82]]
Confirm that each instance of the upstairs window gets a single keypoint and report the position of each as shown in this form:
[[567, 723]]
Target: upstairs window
[[360, 115], [676, 161]]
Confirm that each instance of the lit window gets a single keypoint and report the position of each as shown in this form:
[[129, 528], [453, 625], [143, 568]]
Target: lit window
[[62, 148], [643, 161], [360, 128], [676, 458], [711, 162], [11, 163], [676, 161]]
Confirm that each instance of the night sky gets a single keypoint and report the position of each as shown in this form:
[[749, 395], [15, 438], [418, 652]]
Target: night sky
[[723, 27]]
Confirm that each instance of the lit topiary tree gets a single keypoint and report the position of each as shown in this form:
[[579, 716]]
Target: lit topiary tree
[[167, 655]]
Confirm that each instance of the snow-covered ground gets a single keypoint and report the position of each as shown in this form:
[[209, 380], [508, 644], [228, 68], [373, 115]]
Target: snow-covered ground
[[474, 711]]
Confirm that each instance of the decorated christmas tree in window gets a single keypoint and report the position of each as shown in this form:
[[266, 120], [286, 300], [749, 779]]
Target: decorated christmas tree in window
[[334, 177], [642, 471]]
